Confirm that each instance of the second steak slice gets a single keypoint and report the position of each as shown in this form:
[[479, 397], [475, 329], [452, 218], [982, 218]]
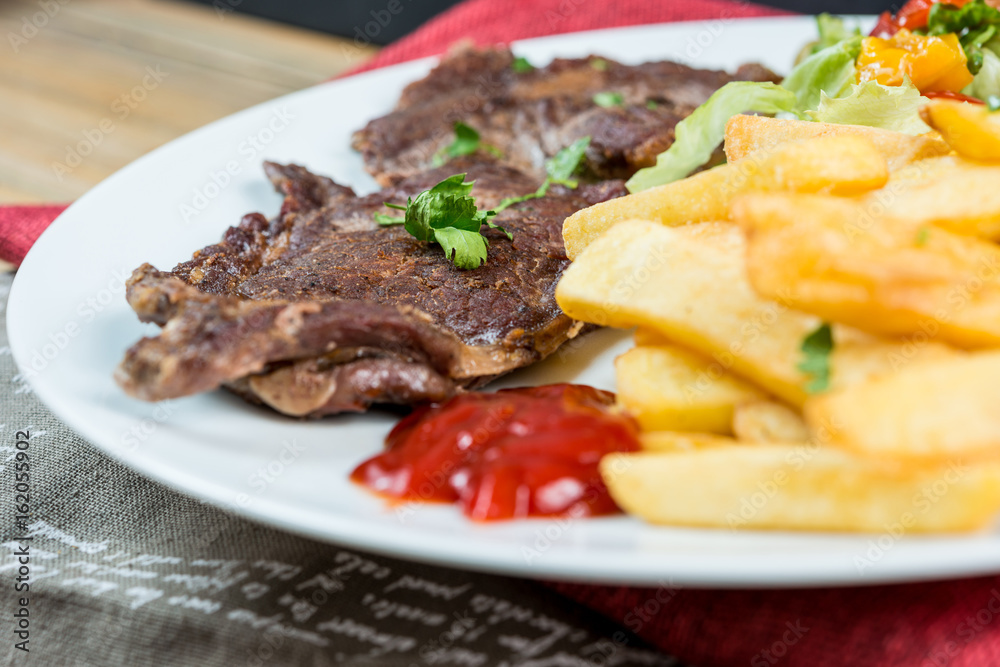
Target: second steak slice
[[322, 311]]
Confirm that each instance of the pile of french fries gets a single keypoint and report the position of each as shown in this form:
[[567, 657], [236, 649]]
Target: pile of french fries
[[876, 246]]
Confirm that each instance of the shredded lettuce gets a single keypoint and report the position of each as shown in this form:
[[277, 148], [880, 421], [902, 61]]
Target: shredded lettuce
[[986, 84], [829, 71], [895, 108], [832, 29], [698, 135], [975, 24]]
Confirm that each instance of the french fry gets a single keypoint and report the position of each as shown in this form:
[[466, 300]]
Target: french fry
[[933, 410], [645, 336], [963, 199], [800, 487], [689, 284], [768, 421], [829, 257], [841, 165], [668, 388], [680, 441], [749, 134], [704, 196], [971, 129]]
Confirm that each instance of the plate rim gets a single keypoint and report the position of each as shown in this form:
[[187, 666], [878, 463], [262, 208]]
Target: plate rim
[[270, 512]]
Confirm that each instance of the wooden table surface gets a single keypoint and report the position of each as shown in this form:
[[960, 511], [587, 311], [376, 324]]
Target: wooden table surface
[[87, 86]]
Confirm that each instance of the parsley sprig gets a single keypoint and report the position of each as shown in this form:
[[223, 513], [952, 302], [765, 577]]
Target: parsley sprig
[[447, 214], [521, 65], [467, 141], [559, 171], [609, 98], [816, 350]]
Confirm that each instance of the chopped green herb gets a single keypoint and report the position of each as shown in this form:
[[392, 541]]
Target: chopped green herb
[[609, 99], [651, 104], [923, 234], [562, 165], [816, 349], [521, 65], [466, 143], [447, 215], [559, 170], [600, 64], [993, 102], [975, 23]]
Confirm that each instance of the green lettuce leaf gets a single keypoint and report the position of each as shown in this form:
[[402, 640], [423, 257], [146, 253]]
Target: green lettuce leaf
[[895, 108], [986, 84], [975, 24], [829, 71], [698, 135], [832, 29]]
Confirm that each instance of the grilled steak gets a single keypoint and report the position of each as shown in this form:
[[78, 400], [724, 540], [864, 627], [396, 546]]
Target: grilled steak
[[531, 115], [320, 310]]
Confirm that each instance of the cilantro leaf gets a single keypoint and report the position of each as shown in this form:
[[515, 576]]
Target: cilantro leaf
[[466, 143], [452, 185], [562, 165], [651, 104], [816, 349], [466, 248], [609, 99], [386, 220], [923, 234], [559, 169], [447, 215], [521, 65]]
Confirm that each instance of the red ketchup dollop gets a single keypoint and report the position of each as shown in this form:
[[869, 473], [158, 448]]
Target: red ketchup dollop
[[514, 453]]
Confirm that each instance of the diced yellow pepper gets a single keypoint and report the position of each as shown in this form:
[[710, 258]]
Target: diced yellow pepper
[[971, 129], [931, 63]]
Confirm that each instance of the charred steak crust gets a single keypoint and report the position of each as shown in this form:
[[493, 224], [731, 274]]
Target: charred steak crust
[[321, 310], [532, 115]]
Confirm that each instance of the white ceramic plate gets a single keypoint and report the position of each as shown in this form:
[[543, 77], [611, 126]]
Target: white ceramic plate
[[69, 325]]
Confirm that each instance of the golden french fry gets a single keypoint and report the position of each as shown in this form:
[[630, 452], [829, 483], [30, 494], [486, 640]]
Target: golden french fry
[[932, 410], [680, 441], [645, 336], [963, 199], [841, 165], [768, 421], [689, 284], [971, 129], [749, 134], [668, 388], [830, 257], [703, 196], [835, 164], [800, 487]]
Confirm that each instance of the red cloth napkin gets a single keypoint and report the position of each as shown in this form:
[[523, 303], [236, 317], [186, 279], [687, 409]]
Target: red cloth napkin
[[953, 623]]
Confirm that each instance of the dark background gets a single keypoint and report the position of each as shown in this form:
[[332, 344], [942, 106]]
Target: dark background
[[342, 18]]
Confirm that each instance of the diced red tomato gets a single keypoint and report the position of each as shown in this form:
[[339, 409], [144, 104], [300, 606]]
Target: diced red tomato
[[949, 95]]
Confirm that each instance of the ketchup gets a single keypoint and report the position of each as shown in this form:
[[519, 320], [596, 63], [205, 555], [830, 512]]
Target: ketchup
[[514, 453]]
